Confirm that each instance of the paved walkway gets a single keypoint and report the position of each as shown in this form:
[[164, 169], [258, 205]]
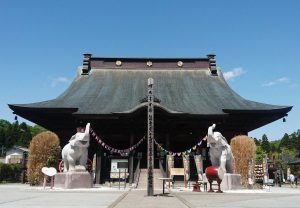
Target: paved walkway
[[139, 198], [234, 200], [19, 195]]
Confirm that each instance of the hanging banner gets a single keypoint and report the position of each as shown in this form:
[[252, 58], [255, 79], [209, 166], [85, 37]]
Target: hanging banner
[[151, 134], [199, 166], [188, 151], [170, 161], [186, 166], [111, 149]]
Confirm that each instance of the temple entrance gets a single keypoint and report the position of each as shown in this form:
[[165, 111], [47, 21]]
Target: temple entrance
[[137, 158], [141, 154]]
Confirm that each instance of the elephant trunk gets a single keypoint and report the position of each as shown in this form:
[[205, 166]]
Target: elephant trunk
[[210, 134], [87, 130]]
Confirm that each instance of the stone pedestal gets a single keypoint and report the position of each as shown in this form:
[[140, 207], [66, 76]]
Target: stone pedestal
[[72, 180], [231, 181]]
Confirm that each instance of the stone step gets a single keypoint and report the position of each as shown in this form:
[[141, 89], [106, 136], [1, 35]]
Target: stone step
[[143, 178]]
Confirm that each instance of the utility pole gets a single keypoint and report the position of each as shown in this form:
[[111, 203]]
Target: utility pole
[[150, 144]]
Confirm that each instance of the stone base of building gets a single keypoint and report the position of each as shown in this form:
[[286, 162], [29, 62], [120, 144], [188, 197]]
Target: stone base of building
[[231, 181], [72, 180]]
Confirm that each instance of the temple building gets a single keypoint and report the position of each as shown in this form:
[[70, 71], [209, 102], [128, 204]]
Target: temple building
[[190, 94]]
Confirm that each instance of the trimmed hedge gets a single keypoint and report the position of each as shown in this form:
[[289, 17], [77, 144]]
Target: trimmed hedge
[[243, 149], [10, 172], [44, 151]]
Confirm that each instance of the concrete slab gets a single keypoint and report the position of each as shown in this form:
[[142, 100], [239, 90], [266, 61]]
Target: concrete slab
[[20, 195], [139, 198]]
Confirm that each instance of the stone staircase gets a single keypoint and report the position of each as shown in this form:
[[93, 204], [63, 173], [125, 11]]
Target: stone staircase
[[143, 179]]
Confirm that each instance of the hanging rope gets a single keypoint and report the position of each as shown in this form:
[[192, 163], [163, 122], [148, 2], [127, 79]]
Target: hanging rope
[[179, 153], [112, 149], [115, 150]]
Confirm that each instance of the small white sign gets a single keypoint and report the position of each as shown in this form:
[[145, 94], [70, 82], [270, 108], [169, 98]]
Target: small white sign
[[49, 171]]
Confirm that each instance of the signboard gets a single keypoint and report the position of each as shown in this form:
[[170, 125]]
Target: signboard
[[119, 168], [122, 165], [177, 171]]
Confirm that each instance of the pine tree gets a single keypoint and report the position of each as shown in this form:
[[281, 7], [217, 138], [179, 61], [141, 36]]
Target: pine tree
[[4, 124], [12, 134], [257, 142], [265, 144], [285, 141], [25, 135], [259, 153], [2, 137], [2, 142]]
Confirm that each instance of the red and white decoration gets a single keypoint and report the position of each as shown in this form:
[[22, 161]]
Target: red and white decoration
[[112, 149]]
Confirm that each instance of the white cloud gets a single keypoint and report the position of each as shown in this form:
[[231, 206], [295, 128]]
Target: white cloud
[[283, 79], [294, 85], [269, 84], [236, 72], [277, 81], [58, 80]]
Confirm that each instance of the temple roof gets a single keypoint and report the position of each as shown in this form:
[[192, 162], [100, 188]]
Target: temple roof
[[109, 86], [109, 91]]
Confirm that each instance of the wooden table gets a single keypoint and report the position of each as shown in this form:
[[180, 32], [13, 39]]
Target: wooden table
[[164, 180]]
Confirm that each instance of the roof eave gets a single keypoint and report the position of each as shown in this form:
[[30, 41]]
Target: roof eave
[[280, 109], [27, 108]]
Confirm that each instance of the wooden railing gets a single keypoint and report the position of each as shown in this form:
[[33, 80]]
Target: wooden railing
[[137, 174]]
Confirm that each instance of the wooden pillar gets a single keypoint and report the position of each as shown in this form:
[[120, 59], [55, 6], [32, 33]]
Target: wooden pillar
[[150, 138], [167, 142], [98, 165], [131, 176]]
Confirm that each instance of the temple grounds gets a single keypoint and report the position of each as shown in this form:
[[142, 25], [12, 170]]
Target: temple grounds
[[20, 195]]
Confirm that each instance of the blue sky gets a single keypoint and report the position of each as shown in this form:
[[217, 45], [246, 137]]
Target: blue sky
[[256, 42]]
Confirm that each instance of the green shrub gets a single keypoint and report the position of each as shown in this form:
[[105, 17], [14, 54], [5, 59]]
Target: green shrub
[[44, 151], [10, 172]]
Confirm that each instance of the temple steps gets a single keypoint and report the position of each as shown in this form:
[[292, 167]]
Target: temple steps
[[143, 179]]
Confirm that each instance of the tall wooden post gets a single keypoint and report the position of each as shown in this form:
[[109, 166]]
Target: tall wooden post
[[131, 176], [98, 165], [167, 140], [150, 144]]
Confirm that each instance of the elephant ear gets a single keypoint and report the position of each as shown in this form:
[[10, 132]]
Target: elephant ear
[[72, 140], [72, 143]]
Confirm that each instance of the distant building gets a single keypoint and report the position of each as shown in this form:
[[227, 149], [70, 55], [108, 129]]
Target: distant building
[[190, 94], [15, 155]]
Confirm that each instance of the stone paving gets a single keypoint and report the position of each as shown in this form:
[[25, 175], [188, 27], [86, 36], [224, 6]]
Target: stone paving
[[20, 195], [237, 200], [139, 198]]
